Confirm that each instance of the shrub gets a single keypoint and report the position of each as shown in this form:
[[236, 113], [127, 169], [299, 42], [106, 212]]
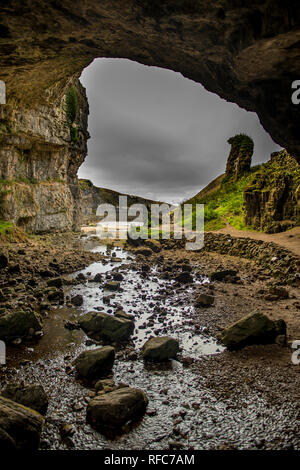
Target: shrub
[[74, 134], [72, 104], [243, 142]]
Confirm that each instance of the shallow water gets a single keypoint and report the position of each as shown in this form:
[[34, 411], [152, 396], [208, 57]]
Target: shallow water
[[141, 298], [184, 409]]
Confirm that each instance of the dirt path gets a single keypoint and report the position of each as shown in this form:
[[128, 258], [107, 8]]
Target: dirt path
[[289, 240]]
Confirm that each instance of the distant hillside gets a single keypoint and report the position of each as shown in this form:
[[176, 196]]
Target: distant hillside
[[92, 196], [211, 188]]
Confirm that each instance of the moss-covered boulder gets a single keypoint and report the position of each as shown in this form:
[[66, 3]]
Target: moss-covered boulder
[[20, 427], [109, 413], [254, 328], [20, 324], [101, 326], [160, 349], [95, 363], [31, 395]]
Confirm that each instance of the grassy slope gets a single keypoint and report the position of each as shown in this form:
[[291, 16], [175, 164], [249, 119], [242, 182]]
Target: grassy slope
[[224, 201], [10, 233]]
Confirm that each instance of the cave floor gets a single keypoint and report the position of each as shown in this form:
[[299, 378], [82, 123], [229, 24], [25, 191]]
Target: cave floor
[[209, 398]]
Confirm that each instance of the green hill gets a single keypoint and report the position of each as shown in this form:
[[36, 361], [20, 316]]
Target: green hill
[[224, 202], [265, 198]]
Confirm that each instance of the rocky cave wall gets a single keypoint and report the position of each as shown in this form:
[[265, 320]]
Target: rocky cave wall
[[39, 161], [272, 200], [246, 52]]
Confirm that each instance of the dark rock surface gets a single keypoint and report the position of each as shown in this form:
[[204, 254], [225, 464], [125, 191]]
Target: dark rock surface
[[95, 363], [107, 327], [272, 199], [160, 349], [280, 262], [20, 324], [232, 49], [20, 427], [110, 412], [239, 160], [31, 395], [254, 328], [204, 300]]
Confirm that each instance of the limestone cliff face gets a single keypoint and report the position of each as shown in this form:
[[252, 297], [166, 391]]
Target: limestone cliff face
[[39, 160], [272, 200]]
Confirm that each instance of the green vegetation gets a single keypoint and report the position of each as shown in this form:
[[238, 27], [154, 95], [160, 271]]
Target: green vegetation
[[224, 198], [9, 233], [146, 233], [4, 127], [243, 142], [20, 179], [85, 184], [72, 111], [74, 134], [3, 193], [72, 104], [224, 204], [278, 170], [239, 160], [6, 227]]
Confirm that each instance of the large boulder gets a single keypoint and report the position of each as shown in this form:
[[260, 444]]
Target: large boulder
[[254, 328], [101, 326], [144, 251], [112, 285], [55, 282], [204, 300], [277, 293], [222, 275], [153, 244], [184, 278], [160, 349], [77, 300], [31, 395], [108, 413], [20, 427], [19, 324], [95, 363]]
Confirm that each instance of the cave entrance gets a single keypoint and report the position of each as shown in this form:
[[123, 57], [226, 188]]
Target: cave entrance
[[157, 134]]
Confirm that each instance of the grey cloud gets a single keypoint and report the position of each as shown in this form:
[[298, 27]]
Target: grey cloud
[[158, 135]]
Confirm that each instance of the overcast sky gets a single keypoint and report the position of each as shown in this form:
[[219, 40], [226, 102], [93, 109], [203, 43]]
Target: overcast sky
[[158, 135]]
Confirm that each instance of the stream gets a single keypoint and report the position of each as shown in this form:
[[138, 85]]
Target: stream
[[182, 412]]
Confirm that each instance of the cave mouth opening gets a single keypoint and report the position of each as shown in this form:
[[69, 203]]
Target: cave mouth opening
[[157, 134]]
